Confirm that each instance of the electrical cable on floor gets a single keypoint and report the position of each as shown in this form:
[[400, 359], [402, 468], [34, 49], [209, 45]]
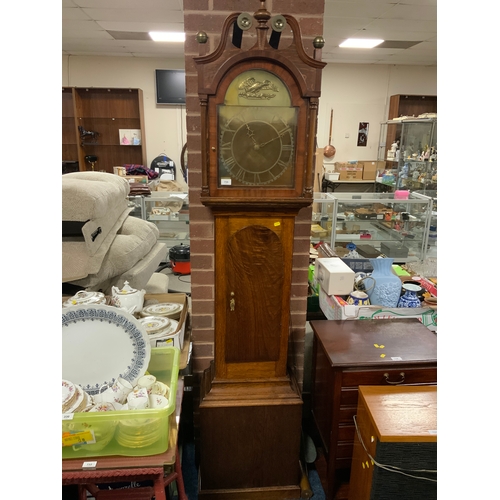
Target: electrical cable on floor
[[393, 468]]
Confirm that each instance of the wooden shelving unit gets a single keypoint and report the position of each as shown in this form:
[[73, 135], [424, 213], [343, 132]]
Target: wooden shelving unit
[[69, 136], [411, 105], [104, 111]]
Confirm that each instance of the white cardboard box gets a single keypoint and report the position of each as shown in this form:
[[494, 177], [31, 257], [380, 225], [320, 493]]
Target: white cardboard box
[[177, 337], [335, 276]]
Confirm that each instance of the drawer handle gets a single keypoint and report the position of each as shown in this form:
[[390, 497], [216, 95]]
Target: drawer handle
[[402, 375]]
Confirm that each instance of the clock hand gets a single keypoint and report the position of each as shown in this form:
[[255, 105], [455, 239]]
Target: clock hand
[[270, 140], [251, 134]]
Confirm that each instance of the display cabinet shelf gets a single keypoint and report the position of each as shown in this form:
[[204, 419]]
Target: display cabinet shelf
[[397, 228], [173, 228]]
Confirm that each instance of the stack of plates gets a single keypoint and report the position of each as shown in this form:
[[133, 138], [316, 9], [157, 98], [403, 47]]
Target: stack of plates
[[69, 395], [83, 297], [74, 398], [103, 430], [170, 310], [138, 433], [158, 327]]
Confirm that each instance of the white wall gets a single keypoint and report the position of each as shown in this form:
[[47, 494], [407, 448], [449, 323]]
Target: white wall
[[356, 92], [360, 93]]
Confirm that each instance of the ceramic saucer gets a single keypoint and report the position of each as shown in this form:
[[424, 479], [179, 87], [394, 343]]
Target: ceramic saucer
[[166, 309], [155, 324]]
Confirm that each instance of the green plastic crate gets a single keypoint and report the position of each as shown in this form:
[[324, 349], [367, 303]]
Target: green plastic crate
[[153, 424]]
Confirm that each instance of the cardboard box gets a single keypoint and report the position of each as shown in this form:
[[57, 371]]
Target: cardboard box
[[142, 179], [351, 173], [338, 165], [120, 171], [335, 276], [176, 339], [370, 169], [333, 309]]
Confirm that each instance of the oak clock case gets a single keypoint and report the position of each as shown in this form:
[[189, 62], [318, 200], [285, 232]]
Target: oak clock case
[[258, 115]]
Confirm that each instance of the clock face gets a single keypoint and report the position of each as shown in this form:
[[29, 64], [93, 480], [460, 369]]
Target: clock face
[[257, 130], [256, 145]]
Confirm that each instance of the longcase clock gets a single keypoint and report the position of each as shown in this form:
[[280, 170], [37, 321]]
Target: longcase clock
[[258, 118]]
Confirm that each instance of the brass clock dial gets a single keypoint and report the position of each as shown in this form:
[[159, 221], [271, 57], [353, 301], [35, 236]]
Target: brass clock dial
[[256, 145]]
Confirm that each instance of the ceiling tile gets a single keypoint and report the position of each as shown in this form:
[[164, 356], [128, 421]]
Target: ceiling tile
[[142, 27], [412, 12], [74, 13], [137, 14], [130, 4]]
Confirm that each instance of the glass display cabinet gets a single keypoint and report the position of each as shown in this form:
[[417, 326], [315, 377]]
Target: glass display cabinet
[[379, 224], [169, 211], [409, 148]]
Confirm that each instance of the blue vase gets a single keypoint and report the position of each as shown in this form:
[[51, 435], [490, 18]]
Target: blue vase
[[410, 298], [387, 289]]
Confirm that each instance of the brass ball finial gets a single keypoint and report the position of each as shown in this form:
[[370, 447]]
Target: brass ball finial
[[319, 42], [201, 37]]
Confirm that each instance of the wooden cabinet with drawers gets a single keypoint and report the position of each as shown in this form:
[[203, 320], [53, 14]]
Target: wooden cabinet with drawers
[[347, 354]]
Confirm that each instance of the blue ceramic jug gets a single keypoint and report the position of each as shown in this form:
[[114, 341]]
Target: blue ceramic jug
[[387, 289]]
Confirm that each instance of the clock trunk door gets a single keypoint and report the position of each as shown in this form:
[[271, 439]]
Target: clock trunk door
[[253, 272]]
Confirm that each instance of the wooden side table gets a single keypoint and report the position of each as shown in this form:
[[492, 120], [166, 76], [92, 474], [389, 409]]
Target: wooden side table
[[162, 469], [395, 447], [347, 354]]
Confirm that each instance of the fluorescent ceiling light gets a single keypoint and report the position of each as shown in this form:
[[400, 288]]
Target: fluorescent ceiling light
[[361, 43], [165, 36]]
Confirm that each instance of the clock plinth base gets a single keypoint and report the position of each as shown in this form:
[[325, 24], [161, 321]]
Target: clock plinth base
[[250, 440], [278, 493]]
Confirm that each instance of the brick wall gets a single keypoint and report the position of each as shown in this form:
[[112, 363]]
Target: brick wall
[[208, 16]]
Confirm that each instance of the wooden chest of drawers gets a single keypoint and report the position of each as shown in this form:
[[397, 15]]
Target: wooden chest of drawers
[[347, 354]]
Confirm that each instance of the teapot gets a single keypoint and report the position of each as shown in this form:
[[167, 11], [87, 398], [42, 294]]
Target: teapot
[[128, 298]]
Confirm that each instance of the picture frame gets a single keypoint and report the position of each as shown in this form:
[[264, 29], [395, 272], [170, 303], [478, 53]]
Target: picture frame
[[130, 137]]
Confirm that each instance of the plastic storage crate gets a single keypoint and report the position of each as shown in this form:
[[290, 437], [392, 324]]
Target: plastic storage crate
[[110, 429]]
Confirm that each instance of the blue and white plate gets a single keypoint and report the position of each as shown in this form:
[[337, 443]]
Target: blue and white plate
[[101, 343]]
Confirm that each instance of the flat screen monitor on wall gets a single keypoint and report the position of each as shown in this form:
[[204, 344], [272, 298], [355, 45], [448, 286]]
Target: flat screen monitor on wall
[[170, 86]]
